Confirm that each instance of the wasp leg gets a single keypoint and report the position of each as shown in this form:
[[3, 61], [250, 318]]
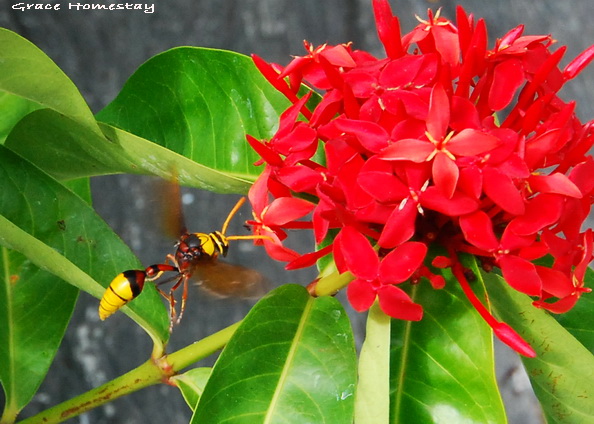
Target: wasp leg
[[183, 300], [171, 259], [173, 318]]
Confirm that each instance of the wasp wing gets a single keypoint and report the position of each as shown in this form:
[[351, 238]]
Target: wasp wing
[[223, 279], [170, 211]]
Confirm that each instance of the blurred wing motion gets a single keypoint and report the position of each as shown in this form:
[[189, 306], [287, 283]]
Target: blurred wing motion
[[170, 212], [222, 279]]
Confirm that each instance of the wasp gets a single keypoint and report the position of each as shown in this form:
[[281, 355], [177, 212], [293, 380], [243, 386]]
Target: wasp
[[195, 258]]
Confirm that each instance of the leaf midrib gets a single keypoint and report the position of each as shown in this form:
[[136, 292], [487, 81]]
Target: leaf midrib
[[403, 360], [288, 363]]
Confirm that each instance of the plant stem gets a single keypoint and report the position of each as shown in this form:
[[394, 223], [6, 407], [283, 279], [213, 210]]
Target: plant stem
[[151, 372], [330, 284], [373, 390]]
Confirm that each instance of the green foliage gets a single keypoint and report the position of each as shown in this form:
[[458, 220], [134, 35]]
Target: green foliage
[[191, 384], [185, 114], [291, 360], [442, 366], [563, 371], [53, 243]]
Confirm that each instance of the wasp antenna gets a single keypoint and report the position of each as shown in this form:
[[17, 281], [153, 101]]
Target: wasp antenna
[[238, 205], [250, 238]]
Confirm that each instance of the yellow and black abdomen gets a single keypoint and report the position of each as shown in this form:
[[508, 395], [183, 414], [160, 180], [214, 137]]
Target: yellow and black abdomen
[[125, 287]]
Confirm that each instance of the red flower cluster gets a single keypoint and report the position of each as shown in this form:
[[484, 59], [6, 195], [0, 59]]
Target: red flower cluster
[[444, 141]]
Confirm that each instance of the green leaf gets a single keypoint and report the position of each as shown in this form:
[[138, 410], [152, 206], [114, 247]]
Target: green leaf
[[29, 338], [191, 384], [27, 72], [442, 367], [373, 389], [12, 109], [58, 238], [66, 150], [563, 370], [292, 360], [200, 103]]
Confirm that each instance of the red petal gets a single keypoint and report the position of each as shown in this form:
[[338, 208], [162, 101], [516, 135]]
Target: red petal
[[510, 240], [397, 304], [279, 252], [408, 149], [537, 148], [510, 37], [413, 103], [459, 204], [388, 28], [400, 226], [581, 175], [445, 174], [289, 117], [361, 295], [372, 136], [464, 115], [398, 265], [286, 209], [508, 76], [359, 256], [308, 259], [258, 194], [299, 138], [382, 186], [264, 151], [471, 181], [579, 63], [439, 113], [478, 231], [299, 178], [326, 109], [273, 77], [520, 274], [400, 72], [514, 166], [555, 282], [554, 183], [559, 307], [471, 142], [541, 211], [501, 189], [339, 56], [446, 43]]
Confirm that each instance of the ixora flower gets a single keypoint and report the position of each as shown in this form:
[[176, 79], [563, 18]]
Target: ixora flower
[[443, 142]]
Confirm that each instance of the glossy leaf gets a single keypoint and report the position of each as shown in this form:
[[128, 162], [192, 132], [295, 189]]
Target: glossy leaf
[[59, 239], [200, 103], [13, 109], [442, 367], [292, 360], [563, 371], [28, 340], [66, 149], [27, 72], [160, 131], [191, 384]]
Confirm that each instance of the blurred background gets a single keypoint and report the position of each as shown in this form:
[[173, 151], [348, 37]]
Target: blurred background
[[99, 50]]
